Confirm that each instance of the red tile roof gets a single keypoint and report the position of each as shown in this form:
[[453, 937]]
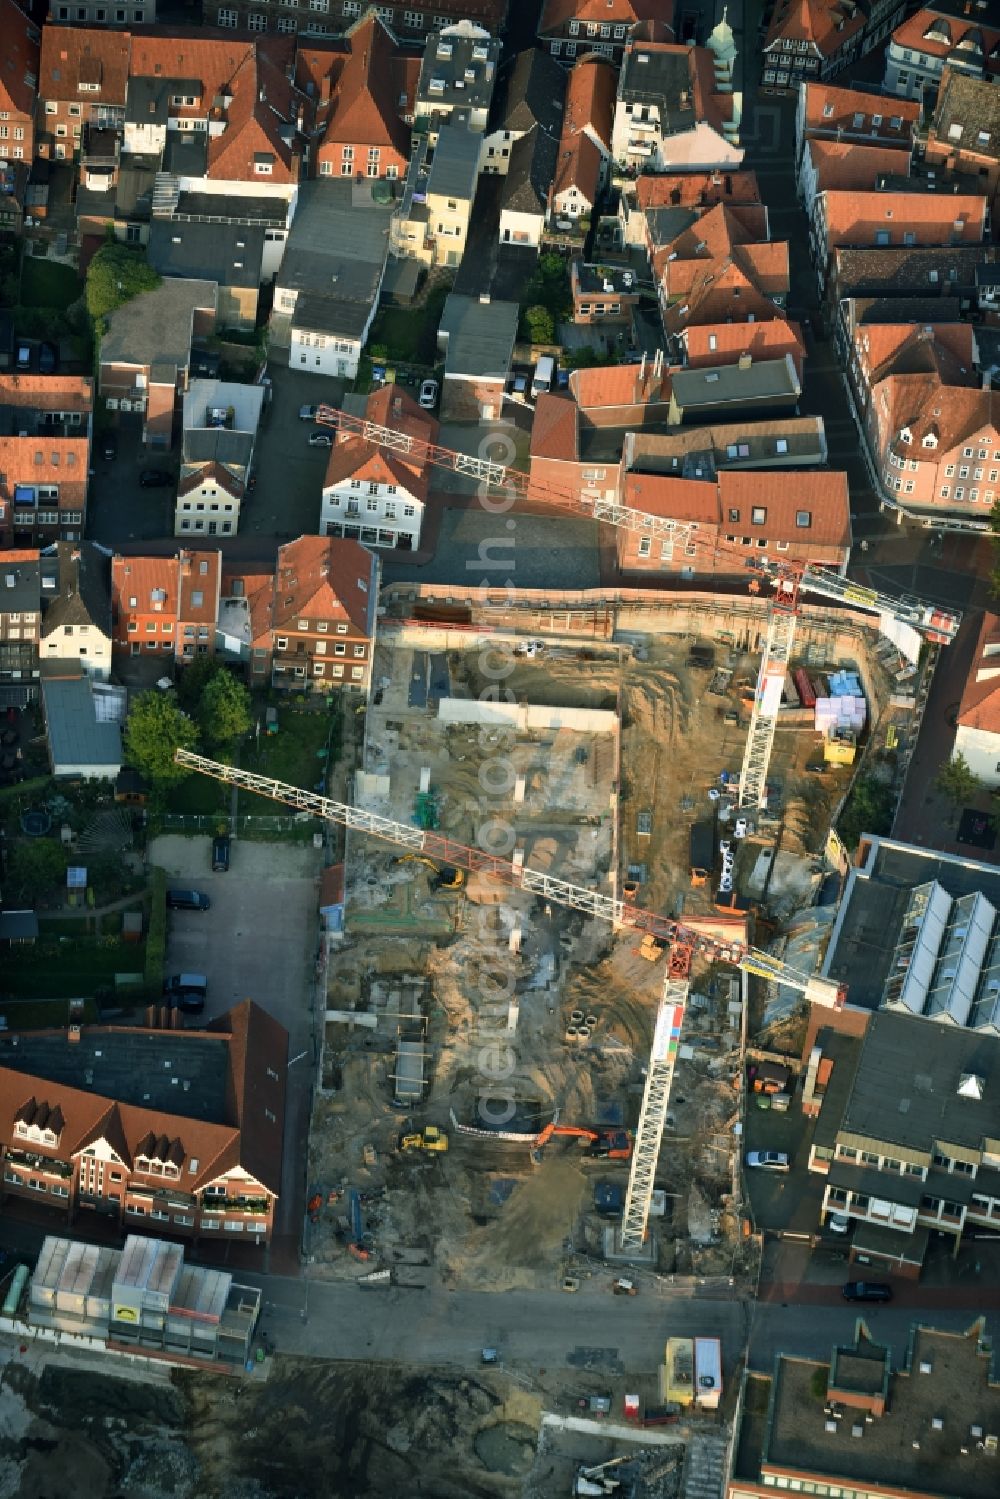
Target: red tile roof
[[697, 189], [65, 49], [854, 218], [590, 99], [848, 164], [352, 457], [618, 385], [554, 429], [19, 60], [785, 495], [324, 578], [216, 472], [200, 579], [264, 106], [48, 392], [555, 13], [980, 704], [140, 578], [828, 23], [723, 343], [45, 460], [832, 109], [359, 90], [924, 405], [947, 34], [947, 349]]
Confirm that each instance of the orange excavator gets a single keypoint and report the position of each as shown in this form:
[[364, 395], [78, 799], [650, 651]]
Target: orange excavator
[[612, 1144]]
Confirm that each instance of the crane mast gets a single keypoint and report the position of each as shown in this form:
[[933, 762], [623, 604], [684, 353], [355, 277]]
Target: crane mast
[[683, 943]]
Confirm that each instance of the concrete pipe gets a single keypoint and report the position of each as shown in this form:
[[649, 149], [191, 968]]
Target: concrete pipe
[[591, 1020], [576, 1017], [583, 1032], [572, 1033]]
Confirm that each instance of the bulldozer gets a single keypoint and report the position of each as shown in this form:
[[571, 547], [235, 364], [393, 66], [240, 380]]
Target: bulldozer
[[432, 1139], [443, 876]]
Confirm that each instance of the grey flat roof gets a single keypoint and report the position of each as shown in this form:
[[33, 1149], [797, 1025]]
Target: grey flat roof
[[905, 1088], [18, 926], [455, 168], [186, 153], [155, 328], [331, 233], [464, 40], [346, 315], [230, 254], [650, 76], [131, 1065], [76, 736], [873, 906], [215, 445], [245, 400], [728, 382], [902, 1449], [480, 336], [233, 207], [20, 587]]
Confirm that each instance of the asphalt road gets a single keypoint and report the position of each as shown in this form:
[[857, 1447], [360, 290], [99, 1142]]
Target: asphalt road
[[548, 1330]]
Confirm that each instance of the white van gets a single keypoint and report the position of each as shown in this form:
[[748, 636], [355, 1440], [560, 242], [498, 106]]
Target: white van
[[544, 377]]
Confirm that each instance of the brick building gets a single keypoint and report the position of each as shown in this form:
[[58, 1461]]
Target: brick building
[[83, 81], [146, 351], [322, 619], [410, 20], [18, 82], [359, 129], [166, 604], [45, 435], [781, 516], [90, 1123], [570, 28]]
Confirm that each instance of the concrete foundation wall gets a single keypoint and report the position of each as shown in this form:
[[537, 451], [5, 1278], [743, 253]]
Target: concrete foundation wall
[[528, 716]]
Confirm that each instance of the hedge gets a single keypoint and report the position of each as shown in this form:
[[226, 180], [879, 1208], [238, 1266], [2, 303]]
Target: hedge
[[156, 940]]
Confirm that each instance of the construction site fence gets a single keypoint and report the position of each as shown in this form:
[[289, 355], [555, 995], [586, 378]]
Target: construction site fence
[[201, 822], [603, 611]]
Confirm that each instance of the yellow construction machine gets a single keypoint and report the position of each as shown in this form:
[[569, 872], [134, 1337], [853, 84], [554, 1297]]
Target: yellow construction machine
[[432, 1139], [443, 876]]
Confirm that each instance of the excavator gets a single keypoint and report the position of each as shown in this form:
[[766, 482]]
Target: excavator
[[443, 876], [432, 1139], [612, 1144]]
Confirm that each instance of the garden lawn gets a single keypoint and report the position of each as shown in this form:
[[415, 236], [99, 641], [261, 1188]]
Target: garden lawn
[[293, 755], [199, 795], [68, 968], [46, 283]]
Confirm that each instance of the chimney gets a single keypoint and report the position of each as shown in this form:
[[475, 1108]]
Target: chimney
[[324, 89], [746, 361]]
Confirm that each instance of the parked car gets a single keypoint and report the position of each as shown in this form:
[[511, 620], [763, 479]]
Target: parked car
[[154, 478], [816, 767], [187, 900], [866, 1290], [740, 828], [220, 853], [23, 360], [839, 1223], [429, 394], [307, 413], [48, 359], [320, 440], [768, 1160], [186, 983], [190, 1003], [529, 648], [109, 447]]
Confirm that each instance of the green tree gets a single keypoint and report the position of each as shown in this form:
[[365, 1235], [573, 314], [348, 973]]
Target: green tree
[[869, 810], [958, 781], [194, 679], [116, 275], [156, 727], [35, 866], [540, 325], [224, 709]]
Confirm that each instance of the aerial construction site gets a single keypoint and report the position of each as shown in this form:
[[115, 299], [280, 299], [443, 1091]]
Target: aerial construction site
[[580, 880], [489, 1028]]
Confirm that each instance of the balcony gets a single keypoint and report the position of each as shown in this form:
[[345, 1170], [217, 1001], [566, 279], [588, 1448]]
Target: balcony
[[44, 1164]]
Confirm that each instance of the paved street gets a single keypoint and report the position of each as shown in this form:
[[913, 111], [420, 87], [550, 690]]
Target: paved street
[[548, 1330]]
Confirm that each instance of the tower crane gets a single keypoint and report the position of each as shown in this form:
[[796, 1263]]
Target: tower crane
[[909, 618], [683, 943]]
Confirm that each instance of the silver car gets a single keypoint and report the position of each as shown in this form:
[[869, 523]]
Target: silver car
[[768, 1160]]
